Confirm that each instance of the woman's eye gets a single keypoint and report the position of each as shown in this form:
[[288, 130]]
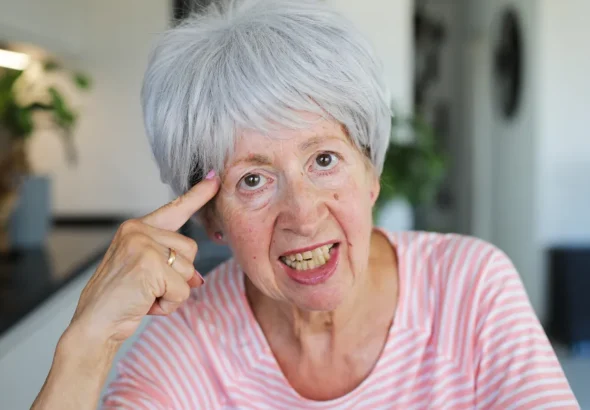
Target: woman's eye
[[326, 161], [252, 182]]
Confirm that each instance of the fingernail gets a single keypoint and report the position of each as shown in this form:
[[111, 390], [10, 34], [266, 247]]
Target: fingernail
[[200, 277], [210, 175]]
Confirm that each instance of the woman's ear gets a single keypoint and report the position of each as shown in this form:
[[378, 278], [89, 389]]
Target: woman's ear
[[212, 226], [375, 185]]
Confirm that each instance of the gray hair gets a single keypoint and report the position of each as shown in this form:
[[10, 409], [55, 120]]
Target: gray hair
[[253, 65]]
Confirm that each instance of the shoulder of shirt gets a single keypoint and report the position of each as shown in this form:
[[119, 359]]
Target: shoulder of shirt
[[445, 277], [438, 256], [444, 271]]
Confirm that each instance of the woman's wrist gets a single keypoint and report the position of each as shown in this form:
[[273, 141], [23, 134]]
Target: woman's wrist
[[82, 344], [80, 366]]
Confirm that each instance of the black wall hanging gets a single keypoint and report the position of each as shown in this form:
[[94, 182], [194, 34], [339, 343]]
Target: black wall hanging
[[508, 64]]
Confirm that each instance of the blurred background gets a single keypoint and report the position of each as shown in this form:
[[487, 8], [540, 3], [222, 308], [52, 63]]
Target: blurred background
[[490, 139]]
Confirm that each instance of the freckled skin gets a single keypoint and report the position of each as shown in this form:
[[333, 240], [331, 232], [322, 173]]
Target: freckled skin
[[298, 204]]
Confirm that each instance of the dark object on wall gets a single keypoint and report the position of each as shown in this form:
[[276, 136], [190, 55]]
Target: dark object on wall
[[182, 8], [508, 64], [429, 37], [569, 303]]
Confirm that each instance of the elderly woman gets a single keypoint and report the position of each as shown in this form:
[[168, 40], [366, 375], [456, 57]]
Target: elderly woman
[[270, 119]]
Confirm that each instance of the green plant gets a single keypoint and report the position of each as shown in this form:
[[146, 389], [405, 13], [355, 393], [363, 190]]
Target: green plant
[[414, 165], [18, 120]]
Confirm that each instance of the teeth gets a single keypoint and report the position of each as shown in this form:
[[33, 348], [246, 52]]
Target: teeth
[[318, 255], [309, 259]]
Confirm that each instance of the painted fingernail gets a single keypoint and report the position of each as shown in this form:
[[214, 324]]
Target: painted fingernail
[[200, 277], [210, 175]]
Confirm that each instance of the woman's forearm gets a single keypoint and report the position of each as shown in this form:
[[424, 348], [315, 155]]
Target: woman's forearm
[[78, 373]]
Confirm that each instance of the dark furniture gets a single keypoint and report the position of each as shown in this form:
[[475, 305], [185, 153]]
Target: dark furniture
[[569, 297]]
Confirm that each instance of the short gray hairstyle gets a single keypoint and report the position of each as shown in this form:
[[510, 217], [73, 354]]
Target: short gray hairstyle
[[253, 65]]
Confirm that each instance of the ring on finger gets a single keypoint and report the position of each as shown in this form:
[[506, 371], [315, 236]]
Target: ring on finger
[[171, 256]]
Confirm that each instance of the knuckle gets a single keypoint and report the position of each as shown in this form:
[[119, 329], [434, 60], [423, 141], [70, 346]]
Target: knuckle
[[186, 292], [176, 201], [192, 247], [180, 295], [129, 226], [150, 258], [135, 243], [166, 306]]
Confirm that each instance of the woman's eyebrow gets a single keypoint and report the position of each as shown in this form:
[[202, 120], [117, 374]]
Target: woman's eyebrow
[[315, 141], [254, 159]]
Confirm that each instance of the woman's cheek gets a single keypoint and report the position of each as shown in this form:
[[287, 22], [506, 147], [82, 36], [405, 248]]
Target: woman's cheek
[[257, 201], [245, 228], [351, 202], [335, 181]]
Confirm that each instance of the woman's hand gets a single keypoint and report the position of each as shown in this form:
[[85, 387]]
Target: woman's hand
[[134, 278]]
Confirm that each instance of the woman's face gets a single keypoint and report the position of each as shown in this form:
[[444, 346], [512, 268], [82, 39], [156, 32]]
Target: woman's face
[[297, 213]]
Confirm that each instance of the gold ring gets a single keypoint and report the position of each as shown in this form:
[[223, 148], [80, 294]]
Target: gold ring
[[171, 256]]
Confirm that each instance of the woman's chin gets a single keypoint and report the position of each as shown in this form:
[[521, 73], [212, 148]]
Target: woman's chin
[[324, 298]]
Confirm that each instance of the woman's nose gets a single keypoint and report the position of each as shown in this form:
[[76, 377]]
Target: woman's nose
[[303, 208]]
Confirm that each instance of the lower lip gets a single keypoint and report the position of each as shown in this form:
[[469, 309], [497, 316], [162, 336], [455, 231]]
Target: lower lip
[[317, 275]]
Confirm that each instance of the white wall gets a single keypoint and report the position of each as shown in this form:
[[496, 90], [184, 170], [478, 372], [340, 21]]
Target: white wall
[[116, 174], [564, 127], [505, 150], [111, 41], [389, 26], [53, 25], [532, 174]]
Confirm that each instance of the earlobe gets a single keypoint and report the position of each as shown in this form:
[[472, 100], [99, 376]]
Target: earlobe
[[211, 225], [375, 189], [215, 234]]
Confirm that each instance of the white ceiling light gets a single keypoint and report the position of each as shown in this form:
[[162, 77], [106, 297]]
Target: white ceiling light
[[14, 60]]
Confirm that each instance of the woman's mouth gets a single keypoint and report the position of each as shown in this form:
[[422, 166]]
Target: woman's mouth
[[310, 259], [312, 266]]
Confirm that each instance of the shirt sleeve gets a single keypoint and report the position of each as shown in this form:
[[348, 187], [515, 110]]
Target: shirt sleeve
[[165, 368], [133, 390], [515, 364]]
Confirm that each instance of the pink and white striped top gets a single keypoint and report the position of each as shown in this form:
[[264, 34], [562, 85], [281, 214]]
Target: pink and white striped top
[[464, 337]]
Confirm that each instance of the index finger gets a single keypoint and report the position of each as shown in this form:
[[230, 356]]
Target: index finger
[[175, 214]]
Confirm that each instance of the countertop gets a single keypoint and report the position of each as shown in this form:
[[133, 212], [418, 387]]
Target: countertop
[[28, 278]]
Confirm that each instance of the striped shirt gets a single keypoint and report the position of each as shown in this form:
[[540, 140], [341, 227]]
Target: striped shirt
[[464, 336]]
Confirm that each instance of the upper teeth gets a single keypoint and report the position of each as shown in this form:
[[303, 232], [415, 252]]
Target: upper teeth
[[309, 259]]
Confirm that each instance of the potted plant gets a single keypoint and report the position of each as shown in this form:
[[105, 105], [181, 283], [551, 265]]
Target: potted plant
[[30, 103], [412, 173]]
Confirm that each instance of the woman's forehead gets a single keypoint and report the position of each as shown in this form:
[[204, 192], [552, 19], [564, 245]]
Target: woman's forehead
[[249, 142], [312, 125]]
